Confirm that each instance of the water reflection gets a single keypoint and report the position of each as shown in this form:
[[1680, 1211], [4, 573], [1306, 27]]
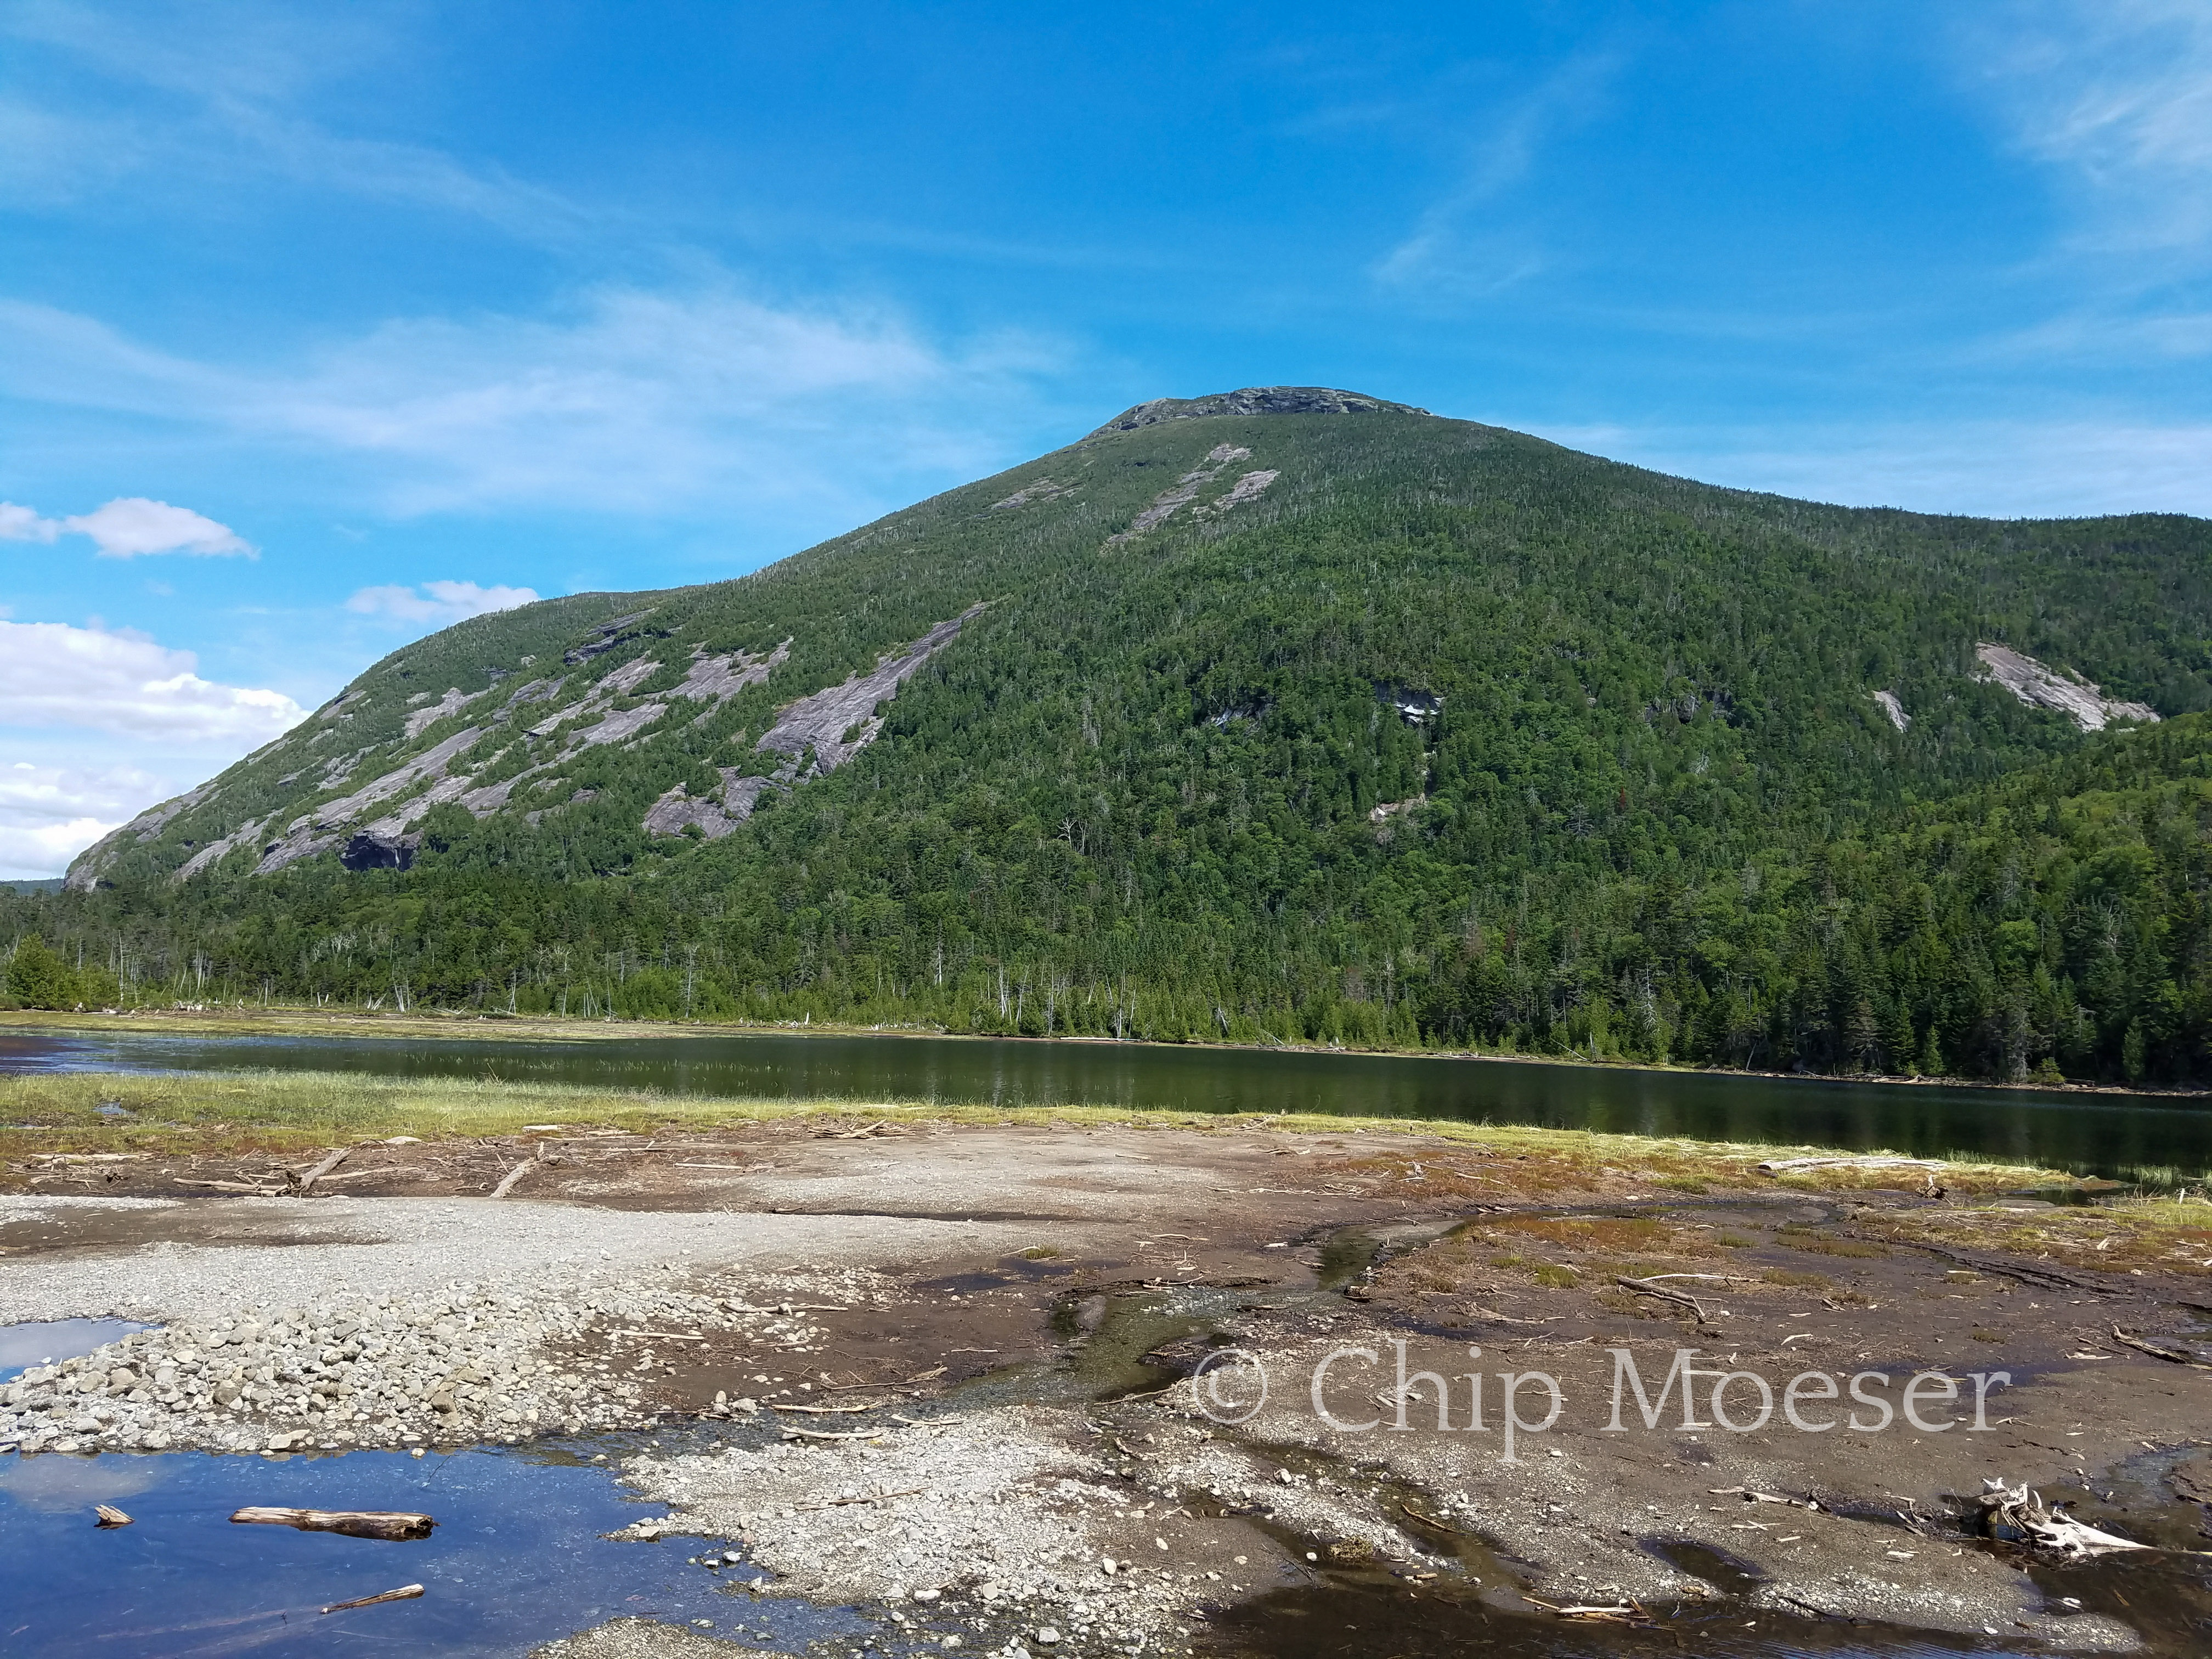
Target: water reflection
[[516, 1559], [2120, 1136], [43, 1341]]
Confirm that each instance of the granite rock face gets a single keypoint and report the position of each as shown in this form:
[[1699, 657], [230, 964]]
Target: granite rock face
[[84, 873], [2080, 701], [815, 735]]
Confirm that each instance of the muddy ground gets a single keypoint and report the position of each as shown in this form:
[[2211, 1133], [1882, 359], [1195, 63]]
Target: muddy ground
[[998, 1369]]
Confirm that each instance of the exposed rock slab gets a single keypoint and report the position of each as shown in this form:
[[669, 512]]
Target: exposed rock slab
[[1184, 490], [2080, 701], [1248, 487], [85, 872], [322, 830], [823, 720], [678, 809], [453, 703], [835, 724], [605, 637], [1043, 489], [244, 835], [714, 679]]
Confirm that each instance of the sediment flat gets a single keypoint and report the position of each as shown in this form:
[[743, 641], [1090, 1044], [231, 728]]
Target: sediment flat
[[942, 1369]]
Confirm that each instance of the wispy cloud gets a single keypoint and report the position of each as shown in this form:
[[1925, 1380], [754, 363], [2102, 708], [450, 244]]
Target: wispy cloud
[[191, 100], [2118, 94], [1996, 469], [627, 400], [439, 602], [1463, 246], [2102, 338]]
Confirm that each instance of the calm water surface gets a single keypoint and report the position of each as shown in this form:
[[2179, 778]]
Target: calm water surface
[[2125, 1137], [41, 1342], [517, 1558]]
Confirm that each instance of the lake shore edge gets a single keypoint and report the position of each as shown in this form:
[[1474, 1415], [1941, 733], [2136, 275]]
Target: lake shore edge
[[285, 1021]]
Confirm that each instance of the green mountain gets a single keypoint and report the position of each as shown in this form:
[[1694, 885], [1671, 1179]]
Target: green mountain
[[1287, 714]]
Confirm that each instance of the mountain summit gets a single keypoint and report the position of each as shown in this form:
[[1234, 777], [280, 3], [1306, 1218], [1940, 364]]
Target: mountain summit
[[1255, 400], [1283, 714]]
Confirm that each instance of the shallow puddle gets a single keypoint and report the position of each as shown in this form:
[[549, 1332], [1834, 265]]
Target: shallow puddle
[[516, 1559], [43, 1341]]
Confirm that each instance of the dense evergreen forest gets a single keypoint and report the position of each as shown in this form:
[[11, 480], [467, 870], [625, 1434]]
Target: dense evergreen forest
[[1436, 735]]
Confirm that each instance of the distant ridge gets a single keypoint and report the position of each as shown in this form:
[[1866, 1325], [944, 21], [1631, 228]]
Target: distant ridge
[[1255, 400]]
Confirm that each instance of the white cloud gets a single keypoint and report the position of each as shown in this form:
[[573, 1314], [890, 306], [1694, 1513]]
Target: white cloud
[[441, 602], [628, 400], [20, 524], [54, 675], [132, 524], [49, 814], [126, 528]]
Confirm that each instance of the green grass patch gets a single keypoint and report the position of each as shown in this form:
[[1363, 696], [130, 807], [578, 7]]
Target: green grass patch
[[276, 1111]]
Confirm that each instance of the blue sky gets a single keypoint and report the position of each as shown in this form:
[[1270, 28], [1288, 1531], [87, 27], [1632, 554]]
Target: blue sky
[[322, 326]]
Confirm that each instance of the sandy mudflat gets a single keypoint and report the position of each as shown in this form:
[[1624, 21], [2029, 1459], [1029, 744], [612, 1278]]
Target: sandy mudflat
[[989, 1324]]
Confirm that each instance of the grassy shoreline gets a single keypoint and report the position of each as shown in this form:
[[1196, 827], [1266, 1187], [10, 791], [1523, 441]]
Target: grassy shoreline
[[204, 1112], [286, 1021], [208, 1118]]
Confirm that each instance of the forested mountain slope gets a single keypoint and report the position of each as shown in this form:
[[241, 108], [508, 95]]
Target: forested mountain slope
[[1286, 715]]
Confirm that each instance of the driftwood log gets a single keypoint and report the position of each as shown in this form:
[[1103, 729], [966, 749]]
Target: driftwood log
[[1646, 1287], [404, 1593], [1753, 1495], [2174, 1355], [1872, 1161], [307, 1181], [1608, 1613], [110, 1515], [2015, 1514], [507, 1182], [394, 1524]]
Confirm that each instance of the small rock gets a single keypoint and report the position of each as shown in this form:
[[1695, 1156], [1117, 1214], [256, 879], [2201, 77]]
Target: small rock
[[1048, 1636]]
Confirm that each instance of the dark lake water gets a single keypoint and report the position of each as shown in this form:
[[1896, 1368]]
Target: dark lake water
[[2123, 1137]]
